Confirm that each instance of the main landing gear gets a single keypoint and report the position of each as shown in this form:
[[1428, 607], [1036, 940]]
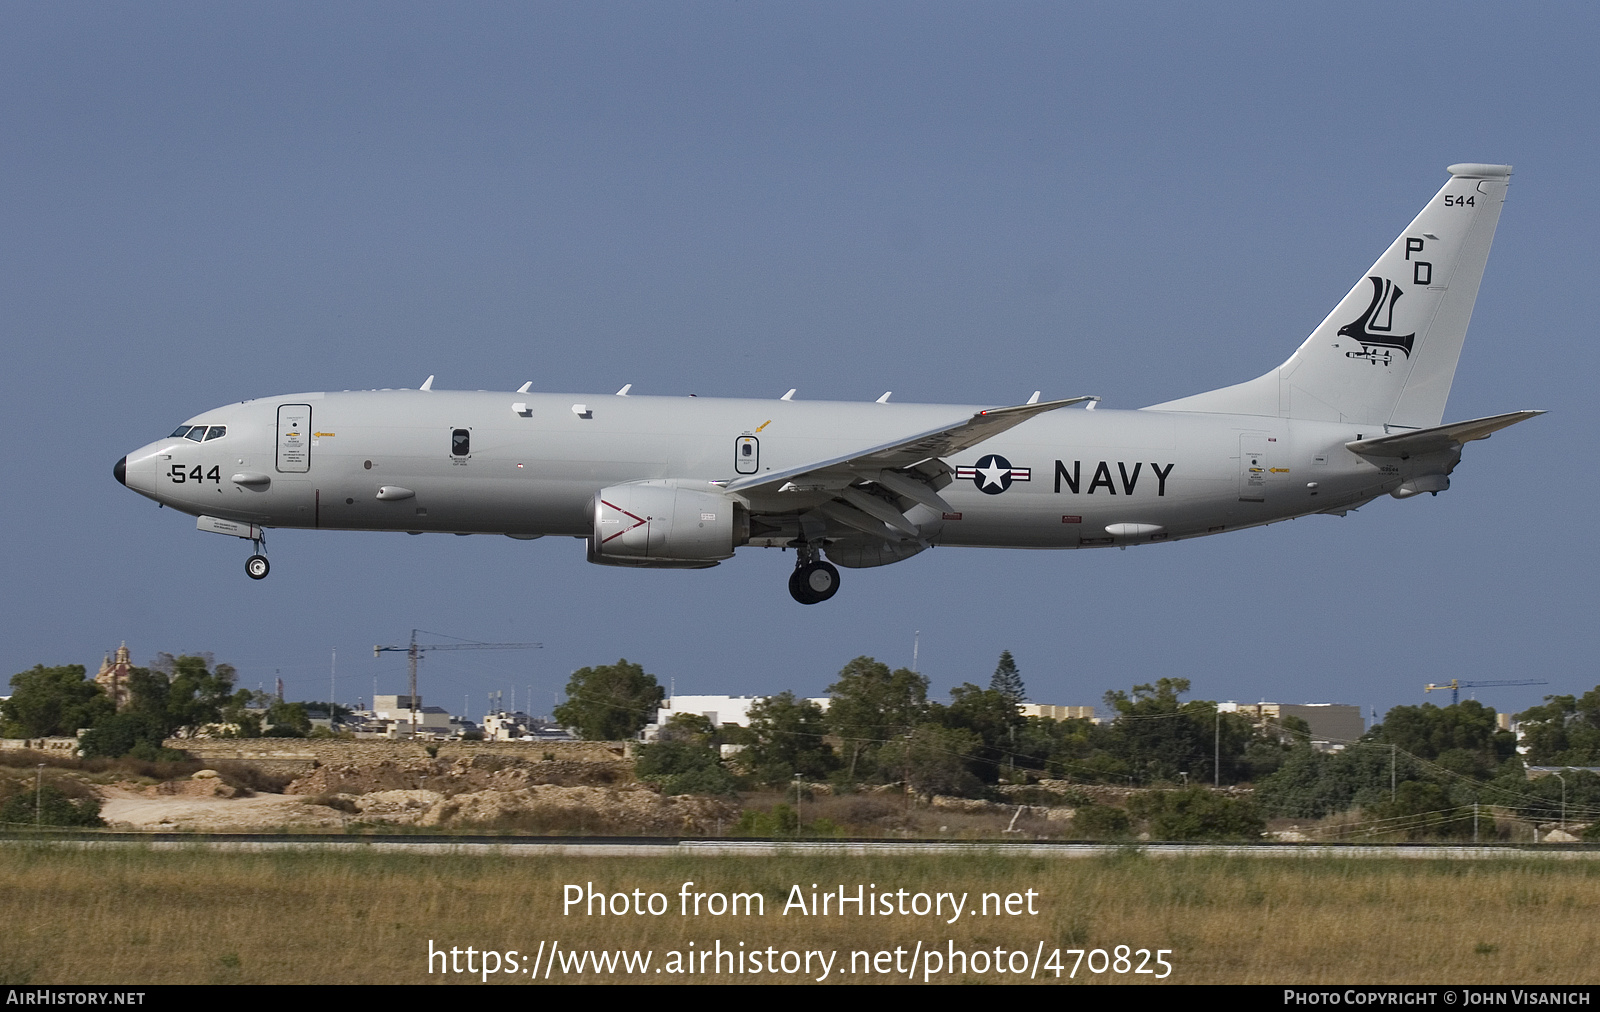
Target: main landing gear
[[813, 581], [256, 566]]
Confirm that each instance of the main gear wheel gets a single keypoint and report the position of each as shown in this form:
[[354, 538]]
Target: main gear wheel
[[813, 582]]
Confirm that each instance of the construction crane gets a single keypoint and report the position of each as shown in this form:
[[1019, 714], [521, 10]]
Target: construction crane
[[415, 650], [1455, 686]]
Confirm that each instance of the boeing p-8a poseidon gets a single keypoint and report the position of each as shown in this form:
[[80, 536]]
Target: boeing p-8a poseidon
[[681, 482]]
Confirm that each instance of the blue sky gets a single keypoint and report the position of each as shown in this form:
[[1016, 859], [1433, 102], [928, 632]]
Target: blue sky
[[964, 203]]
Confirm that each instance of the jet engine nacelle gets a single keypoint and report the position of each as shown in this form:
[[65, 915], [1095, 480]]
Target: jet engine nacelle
[[667, 524]]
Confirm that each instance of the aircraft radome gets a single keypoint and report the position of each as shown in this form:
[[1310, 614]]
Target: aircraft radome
[[681, 482]]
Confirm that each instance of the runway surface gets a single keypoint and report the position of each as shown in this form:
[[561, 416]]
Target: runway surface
[[658, 847]]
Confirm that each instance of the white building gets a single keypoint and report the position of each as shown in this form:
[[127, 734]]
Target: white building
[[719, 710], [1056, 712], [394, 714]]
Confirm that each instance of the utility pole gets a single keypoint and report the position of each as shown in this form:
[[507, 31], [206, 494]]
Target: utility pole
[[1216, 744], [415, 650]]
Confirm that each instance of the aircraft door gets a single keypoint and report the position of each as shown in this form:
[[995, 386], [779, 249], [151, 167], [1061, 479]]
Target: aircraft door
[[747, 455], [294, 438]]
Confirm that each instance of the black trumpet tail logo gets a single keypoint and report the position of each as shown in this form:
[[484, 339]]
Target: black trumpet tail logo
[[1375, 327]]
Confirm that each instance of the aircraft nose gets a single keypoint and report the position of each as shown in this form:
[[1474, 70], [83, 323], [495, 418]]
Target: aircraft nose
[[121, 470]]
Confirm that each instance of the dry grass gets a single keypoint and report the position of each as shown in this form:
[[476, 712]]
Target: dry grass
[[142, 917]]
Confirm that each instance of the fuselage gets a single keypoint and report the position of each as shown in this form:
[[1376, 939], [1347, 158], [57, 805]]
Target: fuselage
[[531, 465]]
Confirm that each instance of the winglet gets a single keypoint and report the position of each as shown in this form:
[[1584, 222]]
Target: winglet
[[427, 384]]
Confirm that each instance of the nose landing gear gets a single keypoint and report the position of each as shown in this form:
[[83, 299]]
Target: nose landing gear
[[813, 581]]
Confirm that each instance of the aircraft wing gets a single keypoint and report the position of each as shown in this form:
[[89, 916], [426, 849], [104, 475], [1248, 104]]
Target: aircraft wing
[[1437, 438], [914, 449]]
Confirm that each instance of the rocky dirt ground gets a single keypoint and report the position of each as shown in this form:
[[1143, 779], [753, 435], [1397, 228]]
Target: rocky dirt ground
[[485, 793]]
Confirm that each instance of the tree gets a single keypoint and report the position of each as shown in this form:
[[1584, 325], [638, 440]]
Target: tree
[[871, 704], [287, 720], [1310, 784], [934, 759], [1419, 811], [1565, 731], [1463, 737], [1541, 799], [1159, 737], [1076, 749], [131, 733], [174, 696], [53, 701], [690, 727], [241, 717], [184, 692], [990, 714], [609, 702], [787, 735], [1007, 681]]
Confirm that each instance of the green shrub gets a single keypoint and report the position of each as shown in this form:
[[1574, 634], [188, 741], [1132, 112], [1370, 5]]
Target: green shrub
[[1101, 822], [54, 809], [1196, 814]]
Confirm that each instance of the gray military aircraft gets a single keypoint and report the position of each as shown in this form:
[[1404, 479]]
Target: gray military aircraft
[[681, 482]]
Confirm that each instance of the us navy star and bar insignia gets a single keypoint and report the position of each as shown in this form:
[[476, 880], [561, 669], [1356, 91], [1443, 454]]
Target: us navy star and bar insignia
[[994, 474]]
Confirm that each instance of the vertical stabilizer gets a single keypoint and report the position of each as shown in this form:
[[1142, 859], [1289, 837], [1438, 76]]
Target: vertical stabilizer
[[1388, 352]]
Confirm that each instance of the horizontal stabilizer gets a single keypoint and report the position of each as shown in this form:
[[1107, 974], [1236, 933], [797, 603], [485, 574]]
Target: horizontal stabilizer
[[1439, 438]]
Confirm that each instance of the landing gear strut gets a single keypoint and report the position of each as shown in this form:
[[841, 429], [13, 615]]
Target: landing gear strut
[[256, 566], [813, 581]]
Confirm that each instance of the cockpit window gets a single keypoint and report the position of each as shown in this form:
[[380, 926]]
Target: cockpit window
[[216, 432], [179, 432], [197, 433]]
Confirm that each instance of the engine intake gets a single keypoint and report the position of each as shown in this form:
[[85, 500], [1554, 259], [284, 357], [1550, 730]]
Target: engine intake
[[665, 523]]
